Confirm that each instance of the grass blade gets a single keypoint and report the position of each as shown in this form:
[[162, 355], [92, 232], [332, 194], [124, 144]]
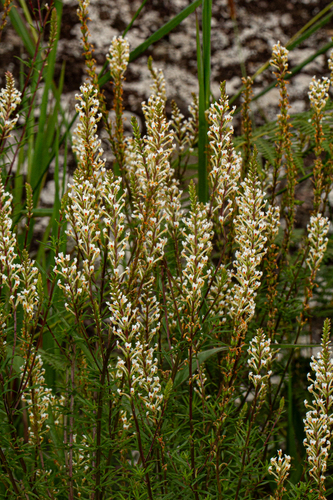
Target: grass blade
[[206, 47], [292, 44], [294, 71], [22, 31], [201, 358], [41, 152], [29, 20], [308, 29], [202, 159], [134, 17]]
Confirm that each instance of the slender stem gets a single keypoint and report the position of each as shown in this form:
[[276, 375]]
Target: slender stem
[[194, 473], [166, 317], [71, 427], [14, 343], [99, 426], [247, 440], [142, 456], [9, 472], [40, 75]]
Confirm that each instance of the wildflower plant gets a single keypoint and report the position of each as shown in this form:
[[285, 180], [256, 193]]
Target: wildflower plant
[[279, 468], [318, 95], [10, 98], [319, 419], [149, 360]]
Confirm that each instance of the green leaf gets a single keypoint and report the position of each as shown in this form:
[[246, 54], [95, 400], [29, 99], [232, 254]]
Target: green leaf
[[134, 17], [201, 358], [21, 30], [206, 47], [267, 149], [292, 44], [310, 28], [46, 125], [56, 361]]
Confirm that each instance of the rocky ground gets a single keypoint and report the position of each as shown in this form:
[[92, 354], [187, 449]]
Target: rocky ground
[[246, 41], [259, 25]]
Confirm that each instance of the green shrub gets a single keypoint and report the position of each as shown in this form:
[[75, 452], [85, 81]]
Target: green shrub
[[150, 351]]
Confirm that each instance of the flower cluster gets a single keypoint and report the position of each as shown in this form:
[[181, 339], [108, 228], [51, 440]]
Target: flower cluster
[[144, 376], [192, 123], [9, 269], [322, 386], [219, 294], [253, 228], [39, 400], [114, 232], [139, 367], [118, 57], [185, 131], [123, 317], [82, 452], [279, 468], [201, 380], [84, 217], [10, 98], [12, 273], [318, 93], [317, 230], [279, 59], [123, 418], [196, 250], [158, 86], [317, 444], [319, 418], [83, 211], [225, 163], [151, 176], [29, 276], [260, 359], [88, 48], [157, 145], [84, 4], [284, 154], [138, 364], [86, 144], [173, 208], [74, 281]]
